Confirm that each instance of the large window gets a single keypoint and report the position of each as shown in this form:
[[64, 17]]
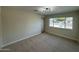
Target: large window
[[61, 22]]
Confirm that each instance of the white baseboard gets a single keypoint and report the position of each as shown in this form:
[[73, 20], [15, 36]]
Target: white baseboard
[[64, 36], [18, 40]]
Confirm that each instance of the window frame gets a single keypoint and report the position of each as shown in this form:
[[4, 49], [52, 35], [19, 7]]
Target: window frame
[[64, 23]]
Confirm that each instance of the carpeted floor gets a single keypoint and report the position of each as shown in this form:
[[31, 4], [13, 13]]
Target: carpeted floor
[[44, 43]]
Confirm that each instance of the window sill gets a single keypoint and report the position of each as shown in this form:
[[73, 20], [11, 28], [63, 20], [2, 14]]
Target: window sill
[[61, 28]]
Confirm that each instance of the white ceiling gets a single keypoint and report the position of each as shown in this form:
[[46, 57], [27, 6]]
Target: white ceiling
[[56, 9]]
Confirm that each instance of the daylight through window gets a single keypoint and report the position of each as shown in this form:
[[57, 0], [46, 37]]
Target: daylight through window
[[61, 22]]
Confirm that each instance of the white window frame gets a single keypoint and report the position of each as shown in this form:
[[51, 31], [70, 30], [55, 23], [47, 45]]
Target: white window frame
[[64, 23]]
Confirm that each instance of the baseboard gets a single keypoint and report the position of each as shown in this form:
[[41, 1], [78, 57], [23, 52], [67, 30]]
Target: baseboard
[[18, 40], [74, 39]]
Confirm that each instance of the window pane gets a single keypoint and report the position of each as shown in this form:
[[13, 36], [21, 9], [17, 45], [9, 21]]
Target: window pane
[[69, 21], [51, 22], [59, 22]]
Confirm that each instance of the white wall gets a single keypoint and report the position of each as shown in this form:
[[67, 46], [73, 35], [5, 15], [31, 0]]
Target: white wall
[[72, 34], [18, 24], [0, 29]]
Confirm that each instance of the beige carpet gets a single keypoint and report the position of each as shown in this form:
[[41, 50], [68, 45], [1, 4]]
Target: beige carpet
[[44, 43]]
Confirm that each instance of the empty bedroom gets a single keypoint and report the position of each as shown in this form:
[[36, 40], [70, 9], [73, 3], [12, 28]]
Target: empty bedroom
[[39, 28]]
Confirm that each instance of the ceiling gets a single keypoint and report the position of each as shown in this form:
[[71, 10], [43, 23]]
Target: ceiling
[[55, 9]]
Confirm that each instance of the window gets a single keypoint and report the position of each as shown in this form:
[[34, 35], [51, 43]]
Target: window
[[61, 22], [51, 23], [69, 22]]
